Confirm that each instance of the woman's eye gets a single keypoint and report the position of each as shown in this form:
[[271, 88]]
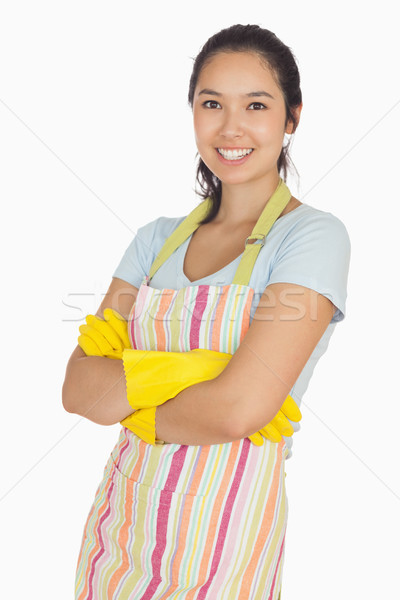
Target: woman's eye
[[211, 104], [257, 106]]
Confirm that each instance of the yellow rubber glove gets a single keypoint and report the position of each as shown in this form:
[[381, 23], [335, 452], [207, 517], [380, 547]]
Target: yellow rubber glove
[[155, 376], [143, 423], [279, 425], [108, 337]]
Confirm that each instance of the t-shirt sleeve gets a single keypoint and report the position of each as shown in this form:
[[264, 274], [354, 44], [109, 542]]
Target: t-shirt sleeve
[[136, 261], [316, 254], [143, 249]]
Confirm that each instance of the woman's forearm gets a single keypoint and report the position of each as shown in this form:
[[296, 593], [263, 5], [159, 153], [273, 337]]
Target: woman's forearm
[[199, 415], [95, 388]]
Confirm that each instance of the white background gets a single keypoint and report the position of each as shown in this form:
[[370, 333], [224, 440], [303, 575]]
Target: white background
[[96, 140]]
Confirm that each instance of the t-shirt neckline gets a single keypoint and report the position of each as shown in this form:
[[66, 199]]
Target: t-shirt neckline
[[183, 248]]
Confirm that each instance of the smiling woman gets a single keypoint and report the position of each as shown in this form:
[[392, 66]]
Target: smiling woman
[[223, 333]]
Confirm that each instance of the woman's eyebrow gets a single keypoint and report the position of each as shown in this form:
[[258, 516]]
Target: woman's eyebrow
[[209, 92], [260, 93]]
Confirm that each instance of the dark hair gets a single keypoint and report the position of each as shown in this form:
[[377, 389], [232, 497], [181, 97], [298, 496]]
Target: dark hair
[[282, 62]]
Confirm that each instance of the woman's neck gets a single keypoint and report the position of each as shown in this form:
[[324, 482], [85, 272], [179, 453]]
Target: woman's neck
[[243, 203]]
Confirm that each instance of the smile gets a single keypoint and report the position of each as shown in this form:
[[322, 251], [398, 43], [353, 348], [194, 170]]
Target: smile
[[235, 154]]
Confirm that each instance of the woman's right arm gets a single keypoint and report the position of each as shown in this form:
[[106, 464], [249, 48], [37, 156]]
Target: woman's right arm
[[94, 386]]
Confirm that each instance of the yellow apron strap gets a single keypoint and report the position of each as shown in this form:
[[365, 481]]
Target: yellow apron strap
[[270, 213], [181, 233], [275, 205]]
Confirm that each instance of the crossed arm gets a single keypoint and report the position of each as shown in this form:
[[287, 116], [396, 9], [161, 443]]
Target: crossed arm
[[288, 323]]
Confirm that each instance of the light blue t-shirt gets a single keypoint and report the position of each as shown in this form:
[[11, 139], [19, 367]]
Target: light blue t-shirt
[[306, 246]]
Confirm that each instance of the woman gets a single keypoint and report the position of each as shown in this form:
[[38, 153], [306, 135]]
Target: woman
[[245, 293]]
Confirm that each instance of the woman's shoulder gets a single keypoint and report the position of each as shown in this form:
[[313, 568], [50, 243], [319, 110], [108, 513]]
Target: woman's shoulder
[[306, 220], [159, 229], [306, 212]]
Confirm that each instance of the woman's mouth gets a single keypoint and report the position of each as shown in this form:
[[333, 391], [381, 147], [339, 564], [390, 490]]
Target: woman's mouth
[[234, 156]]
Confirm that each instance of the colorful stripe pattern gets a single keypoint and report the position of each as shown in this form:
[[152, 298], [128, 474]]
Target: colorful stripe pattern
[[187, 522], [199, 316]]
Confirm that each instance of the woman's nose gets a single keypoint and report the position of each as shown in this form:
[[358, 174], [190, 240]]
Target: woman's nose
[[232, 125]]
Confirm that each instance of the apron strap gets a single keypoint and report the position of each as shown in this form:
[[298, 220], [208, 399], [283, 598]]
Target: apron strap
[[269, 215], [275, 205], [180, 234]]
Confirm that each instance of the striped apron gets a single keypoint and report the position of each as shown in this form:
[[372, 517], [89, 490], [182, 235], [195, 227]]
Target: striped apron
[[190, 522]]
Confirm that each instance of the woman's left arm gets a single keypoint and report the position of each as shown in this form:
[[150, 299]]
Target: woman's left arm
[[287, 325]]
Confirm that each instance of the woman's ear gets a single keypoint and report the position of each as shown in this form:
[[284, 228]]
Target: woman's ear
[[292, 126]]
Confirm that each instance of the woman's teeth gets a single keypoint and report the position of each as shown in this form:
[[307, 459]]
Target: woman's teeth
[[234, 154]]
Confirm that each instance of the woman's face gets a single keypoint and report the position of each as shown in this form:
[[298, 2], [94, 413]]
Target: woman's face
[[239, 118]]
